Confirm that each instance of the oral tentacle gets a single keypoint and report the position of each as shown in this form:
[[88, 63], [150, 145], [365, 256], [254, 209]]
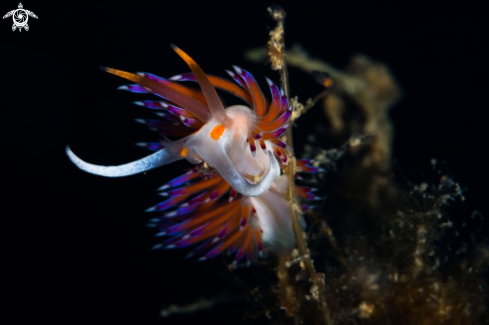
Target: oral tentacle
[[158, 159]]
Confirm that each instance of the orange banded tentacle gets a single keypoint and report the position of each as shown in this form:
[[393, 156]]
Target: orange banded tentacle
[[269, 127], [238, 224], [233, 223], [182, 193], [275, 134], [194, 188], [250, 247], [190, 240], [305, 193], [175, 110], [201, 249], [187, 177], [167, 204], [259, 101], [220, 83], [200, 234], [212, 197], [159, 106], [223, 211], [226, 242], [281, 154], [257, 134], [245, 216], [191, 123], [232, 194], [275, 106], [304, 166], [137, 89], [258, 239], [245, 245], [238, 79], [221, 222], [196, 107], [168, 116], [190, 92], [279, 143], [241, 243], [215, 104], [251, 141], [284, 102], [212, 228]]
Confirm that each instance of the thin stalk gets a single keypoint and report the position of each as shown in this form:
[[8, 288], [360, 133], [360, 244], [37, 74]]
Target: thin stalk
[[276, 46]]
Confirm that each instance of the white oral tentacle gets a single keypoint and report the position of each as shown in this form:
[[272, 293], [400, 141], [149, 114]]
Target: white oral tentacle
[[159, 158]]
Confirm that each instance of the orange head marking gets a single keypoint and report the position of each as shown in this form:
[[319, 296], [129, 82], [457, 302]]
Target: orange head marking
[[217, 131], [184, 152]]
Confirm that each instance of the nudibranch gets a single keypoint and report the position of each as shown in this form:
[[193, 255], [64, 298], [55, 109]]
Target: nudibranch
[[232, 200]]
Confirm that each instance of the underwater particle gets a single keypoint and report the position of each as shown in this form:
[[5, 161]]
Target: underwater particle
[[365, 309]]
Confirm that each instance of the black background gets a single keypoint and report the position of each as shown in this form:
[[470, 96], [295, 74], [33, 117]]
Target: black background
[[74, 246]]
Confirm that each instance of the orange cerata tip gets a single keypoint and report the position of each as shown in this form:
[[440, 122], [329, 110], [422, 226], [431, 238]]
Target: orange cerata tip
[[217, 131]]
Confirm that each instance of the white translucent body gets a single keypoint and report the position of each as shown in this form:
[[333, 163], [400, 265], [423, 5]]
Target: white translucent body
[[274, 218], [232, 143]]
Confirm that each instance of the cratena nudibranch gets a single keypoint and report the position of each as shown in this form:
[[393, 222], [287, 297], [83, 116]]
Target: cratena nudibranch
[[233, 199]]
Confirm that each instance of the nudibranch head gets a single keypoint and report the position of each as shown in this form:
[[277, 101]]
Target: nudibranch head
[[197, 127]]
